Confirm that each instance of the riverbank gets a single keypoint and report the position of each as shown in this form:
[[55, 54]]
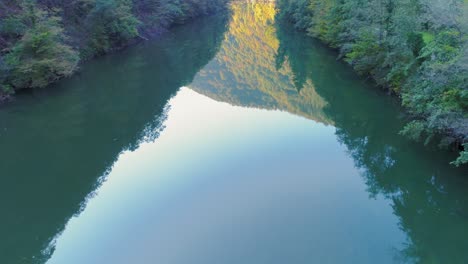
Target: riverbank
[[416, 50], [44, 41], [269, 136]]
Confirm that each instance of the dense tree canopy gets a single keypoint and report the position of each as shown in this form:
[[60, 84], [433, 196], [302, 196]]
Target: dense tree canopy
[[41, 54], [43, 40], [417, 49]]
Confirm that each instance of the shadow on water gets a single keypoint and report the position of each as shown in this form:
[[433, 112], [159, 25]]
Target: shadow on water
[[267, 64], [57, 144], [428, 195]]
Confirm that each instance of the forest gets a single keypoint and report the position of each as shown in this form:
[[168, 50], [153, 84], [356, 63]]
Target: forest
[[415, 49], [175, 122], [42, 41]]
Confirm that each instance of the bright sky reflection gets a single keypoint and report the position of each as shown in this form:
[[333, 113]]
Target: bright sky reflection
[[225, 184]]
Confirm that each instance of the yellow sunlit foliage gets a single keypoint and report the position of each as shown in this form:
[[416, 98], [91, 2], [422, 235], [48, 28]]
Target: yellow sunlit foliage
[[245, 71]]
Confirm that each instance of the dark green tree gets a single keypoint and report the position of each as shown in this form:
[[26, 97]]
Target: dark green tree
[[41, 55]]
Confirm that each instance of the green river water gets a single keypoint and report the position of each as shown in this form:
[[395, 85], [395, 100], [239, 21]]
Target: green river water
[[232, 139]]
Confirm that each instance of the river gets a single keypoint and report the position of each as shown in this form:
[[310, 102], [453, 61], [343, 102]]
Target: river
[[232, 139]]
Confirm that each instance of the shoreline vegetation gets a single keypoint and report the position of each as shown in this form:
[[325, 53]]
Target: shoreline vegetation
[[417, 50], [42, 41]]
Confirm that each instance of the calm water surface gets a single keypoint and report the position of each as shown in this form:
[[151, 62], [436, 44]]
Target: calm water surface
[[233, 139]]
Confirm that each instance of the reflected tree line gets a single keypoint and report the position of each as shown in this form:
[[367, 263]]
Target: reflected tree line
[[244, 72], [54, 151], [428, 195], [58, 144]]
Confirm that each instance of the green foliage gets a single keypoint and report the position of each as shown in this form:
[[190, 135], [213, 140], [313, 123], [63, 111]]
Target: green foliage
[[414, 130], [41, 55], [296, 11], [444, 47], [463, 158], [418, 49], [13, 26], [110, 24], [427, 37], [42, 40], [5, 89], [416, 42], [156, 14], [323, 22], [366, 53]]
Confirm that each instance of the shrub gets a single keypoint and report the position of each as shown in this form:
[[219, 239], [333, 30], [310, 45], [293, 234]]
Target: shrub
[[41, 56]]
